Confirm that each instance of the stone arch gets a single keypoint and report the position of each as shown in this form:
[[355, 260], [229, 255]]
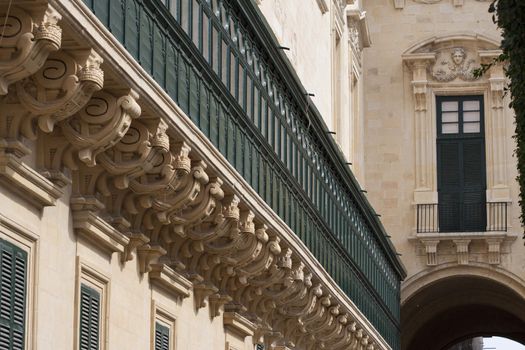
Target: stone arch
[[452, 302], [482, 41]]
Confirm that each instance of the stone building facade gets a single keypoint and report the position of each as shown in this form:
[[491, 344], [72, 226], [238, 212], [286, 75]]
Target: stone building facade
[[168, 183], [440, 168]]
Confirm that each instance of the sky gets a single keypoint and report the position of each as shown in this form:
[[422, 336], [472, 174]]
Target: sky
[[497, 343]]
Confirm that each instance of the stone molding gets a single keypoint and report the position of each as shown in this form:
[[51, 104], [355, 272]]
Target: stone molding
[[427, 277], [400, 4], [139, 185]]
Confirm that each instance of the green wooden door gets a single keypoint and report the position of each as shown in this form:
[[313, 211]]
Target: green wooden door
[[461, 164]]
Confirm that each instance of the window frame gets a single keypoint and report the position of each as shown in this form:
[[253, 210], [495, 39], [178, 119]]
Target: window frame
[[26, 240], [161, 315], [460, 99], [463, 138], [91, 277]]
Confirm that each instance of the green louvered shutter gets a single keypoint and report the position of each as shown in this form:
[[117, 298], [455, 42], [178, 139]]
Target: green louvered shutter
[[13, 267], [449, 185], [461, 164], [162, 337], [89, 318]]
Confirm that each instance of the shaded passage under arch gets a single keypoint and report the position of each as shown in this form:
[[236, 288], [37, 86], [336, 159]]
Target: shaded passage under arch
[[461, 307]]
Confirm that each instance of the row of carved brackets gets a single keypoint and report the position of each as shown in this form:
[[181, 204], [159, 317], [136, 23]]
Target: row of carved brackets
[[139, 190], [462, 241]]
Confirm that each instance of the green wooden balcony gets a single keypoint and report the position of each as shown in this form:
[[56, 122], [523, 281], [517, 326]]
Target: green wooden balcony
[[219, 61]]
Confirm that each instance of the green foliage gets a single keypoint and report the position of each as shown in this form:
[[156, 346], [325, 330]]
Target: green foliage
[[509, 15]]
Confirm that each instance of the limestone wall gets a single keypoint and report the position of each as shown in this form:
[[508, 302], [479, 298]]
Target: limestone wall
[[400, 132]]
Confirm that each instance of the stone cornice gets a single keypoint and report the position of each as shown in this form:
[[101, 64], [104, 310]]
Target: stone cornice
[[157, 186]]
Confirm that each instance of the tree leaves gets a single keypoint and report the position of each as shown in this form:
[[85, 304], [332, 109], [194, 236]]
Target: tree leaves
[[509, 15]]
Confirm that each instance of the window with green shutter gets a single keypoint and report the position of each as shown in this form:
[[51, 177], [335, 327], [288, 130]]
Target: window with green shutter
[[162, 336], [13, 273], [89, 318], [461, 163]]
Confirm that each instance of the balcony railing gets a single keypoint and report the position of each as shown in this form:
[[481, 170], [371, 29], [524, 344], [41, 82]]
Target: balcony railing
[[456, 217], [218, 60]]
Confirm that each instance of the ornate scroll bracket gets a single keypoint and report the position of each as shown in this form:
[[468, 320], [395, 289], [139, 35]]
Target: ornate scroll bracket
[[101, 124], [30, 44]]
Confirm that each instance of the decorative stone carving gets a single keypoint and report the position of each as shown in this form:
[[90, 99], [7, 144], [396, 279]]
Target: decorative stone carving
[[454, 63], [26, 43], [418, 64], [100, 124], [138, 186], [494, 246], [462, 250], [431, 243], [431, 250], [61, 87]]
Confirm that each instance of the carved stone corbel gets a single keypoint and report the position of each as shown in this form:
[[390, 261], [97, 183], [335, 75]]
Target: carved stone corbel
[[26, 43], [494, 250], [100, 124], [135, 240], [431, 250], [148, 255], [201, 291], [217, 301], [462, 250], [61, 87]]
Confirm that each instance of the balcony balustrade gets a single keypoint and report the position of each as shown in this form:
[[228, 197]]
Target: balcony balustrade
[[463, 224], [218, 60], [456, 217]]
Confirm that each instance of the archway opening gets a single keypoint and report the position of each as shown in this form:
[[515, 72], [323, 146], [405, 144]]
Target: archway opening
[[453, 309], [487, 343]]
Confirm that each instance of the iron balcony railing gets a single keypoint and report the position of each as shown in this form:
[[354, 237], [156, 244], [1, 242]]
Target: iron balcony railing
[[219, 61], [456, 217]]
